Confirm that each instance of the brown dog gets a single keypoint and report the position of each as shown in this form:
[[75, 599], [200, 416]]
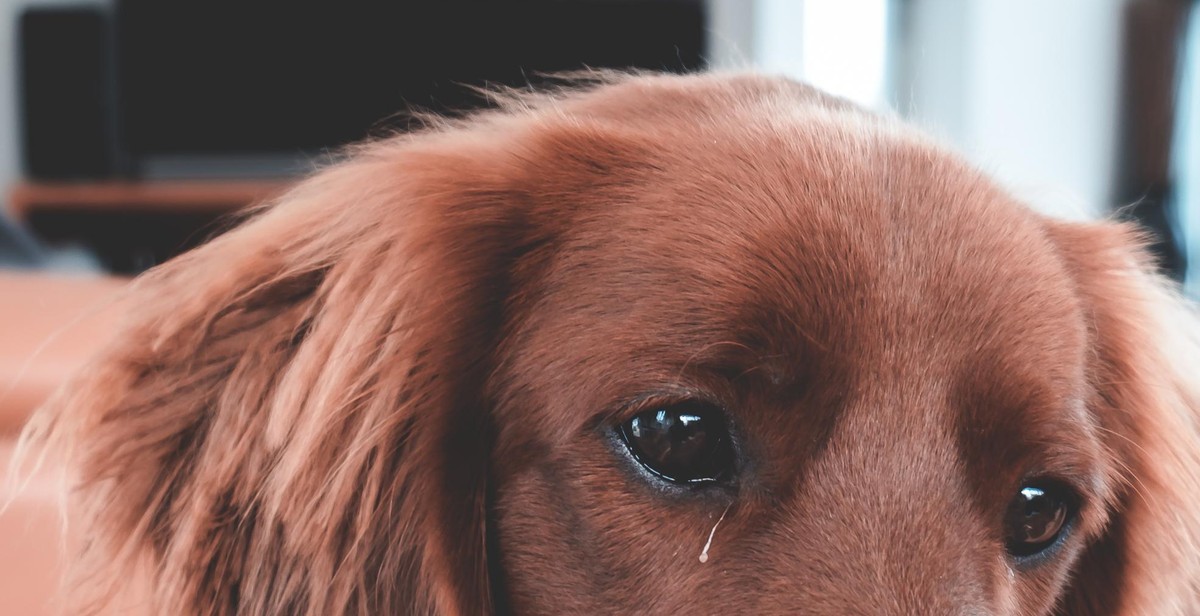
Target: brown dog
[[707, 344]]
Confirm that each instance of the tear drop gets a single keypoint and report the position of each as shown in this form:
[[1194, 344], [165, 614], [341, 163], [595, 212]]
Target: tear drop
[[708, 544]]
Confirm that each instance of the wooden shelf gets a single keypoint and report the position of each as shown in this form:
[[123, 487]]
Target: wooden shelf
[[184, 196]]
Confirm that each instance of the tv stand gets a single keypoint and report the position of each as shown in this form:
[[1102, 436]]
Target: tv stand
[[160, 196], [131, 226]]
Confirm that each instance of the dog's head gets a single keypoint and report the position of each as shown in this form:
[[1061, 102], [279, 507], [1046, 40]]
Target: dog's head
[[670, 344]]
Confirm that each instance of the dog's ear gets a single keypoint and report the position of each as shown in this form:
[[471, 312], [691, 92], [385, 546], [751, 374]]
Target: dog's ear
[[289, 423], [1145, 372]]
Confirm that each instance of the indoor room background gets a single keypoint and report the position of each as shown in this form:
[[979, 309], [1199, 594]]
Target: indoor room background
[[1079, 106], [132, 130]]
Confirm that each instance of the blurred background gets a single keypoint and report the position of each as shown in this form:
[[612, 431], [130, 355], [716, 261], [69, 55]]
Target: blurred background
[[131, 130], [127, 127]]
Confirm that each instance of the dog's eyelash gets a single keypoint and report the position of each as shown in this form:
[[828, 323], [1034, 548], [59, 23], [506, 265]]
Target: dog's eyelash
[[626, 408]]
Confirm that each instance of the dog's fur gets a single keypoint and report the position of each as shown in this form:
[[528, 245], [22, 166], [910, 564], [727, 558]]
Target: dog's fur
[[393, 391]]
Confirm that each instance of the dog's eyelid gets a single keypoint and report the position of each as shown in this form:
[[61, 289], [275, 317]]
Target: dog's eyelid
[[1085, 491], [626, 408], [1084, 484]]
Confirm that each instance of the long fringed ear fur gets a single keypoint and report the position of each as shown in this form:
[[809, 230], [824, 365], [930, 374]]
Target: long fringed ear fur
[[288, 425], [1146, 377]]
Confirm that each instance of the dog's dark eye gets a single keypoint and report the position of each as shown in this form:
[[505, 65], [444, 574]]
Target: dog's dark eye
[[683, 443], [1037, 516]]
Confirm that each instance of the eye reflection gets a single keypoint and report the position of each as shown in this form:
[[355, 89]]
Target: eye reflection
[[1037, 516], [682, 443]]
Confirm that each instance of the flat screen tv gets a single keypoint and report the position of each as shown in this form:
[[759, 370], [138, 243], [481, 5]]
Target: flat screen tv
[[253, 87]]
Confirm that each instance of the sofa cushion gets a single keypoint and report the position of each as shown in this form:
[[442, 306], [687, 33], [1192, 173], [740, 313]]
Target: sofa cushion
[[49, 326]]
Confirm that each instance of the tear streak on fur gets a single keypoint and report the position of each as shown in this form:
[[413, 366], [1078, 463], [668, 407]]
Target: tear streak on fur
[[708, 544]]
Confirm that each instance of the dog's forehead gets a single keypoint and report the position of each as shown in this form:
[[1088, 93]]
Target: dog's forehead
[[825, 247], [822, 232]]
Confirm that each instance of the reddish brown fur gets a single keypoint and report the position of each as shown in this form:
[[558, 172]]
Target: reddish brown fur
[[391, 392]]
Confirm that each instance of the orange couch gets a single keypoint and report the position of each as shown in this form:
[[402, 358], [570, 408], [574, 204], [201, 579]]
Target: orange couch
[[49, 326]]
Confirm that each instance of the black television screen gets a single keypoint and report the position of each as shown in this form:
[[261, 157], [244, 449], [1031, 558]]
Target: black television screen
[[213, 78]]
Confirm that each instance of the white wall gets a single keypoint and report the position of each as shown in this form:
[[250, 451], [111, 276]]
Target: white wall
[[1027, 89], [9, 133], [1032, 93]]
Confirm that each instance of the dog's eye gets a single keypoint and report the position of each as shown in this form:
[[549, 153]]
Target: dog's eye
[[1037, 517], [683, 443]]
